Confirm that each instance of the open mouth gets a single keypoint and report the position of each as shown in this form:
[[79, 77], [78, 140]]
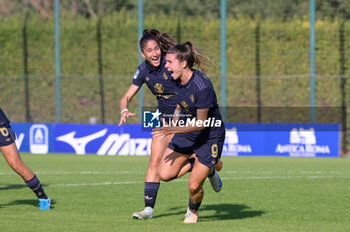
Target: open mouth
[[171, 73], [155, 59]]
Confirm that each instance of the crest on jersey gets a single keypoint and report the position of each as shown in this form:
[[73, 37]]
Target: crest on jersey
[[185, 105], [192, 98], [165, 76], [147, 78], [159, 88]]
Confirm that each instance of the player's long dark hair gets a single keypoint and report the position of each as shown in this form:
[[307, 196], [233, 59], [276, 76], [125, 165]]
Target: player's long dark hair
[[189, 53], [164, 40]]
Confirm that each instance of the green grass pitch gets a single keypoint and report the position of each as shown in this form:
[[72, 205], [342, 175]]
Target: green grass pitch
[[99, 193]]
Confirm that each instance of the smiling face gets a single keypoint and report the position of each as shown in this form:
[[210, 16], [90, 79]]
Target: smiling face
[[175, 66], [152, 53]]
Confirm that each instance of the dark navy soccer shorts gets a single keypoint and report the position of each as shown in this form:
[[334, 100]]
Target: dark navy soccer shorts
[[7, 136], [208, 152]]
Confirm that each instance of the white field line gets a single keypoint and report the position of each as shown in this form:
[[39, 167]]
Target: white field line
[[287, 172], [95, 184], [80, 173], [185, 180], [267, 175], [223, 172]]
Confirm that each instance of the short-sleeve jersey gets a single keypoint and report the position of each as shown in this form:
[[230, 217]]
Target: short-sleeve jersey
[[3, 119], [199, 93], [160, 82]]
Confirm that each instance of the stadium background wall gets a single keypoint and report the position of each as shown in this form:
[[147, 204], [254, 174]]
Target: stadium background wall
[[269, 43]]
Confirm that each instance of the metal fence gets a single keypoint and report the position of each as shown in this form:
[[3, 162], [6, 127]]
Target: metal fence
[[267, 61]]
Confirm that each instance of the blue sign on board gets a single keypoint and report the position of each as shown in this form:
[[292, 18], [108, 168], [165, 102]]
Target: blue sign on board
[[295, 140], [102, 139], [34, 138]]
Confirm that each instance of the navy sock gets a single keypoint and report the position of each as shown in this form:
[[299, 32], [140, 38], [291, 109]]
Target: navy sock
[[35, 186], [191, 161], [192, 206], [151, 190]]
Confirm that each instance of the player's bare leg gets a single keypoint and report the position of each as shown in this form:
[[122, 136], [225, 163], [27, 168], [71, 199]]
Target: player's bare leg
[[171, 165], [195, 184], [14, 160], [152, 179], [158, 147]]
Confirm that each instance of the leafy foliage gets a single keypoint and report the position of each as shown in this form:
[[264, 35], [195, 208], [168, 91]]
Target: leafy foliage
[[281, 61], [277, 9]]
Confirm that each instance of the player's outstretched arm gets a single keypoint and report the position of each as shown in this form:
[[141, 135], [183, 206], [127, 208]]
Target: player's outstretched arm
[[124, 102]]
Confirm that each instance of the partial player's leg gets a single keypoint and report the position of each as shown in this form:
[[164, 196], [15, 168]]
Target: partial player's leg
[[215, 180], [14, 160], [215, 148], [158, 146], [219, 165], [187, 166], [171, 164], [195, 183]]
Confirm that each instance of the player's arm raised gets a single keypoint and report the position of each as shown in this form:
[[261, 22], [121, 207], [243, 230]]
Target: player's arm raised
[[124, 102]]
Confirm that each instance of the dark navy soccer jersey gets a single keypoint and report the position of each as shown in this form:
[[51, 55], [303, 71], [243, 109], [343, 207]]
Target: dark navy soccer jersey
[[199, 93], [160, 82], [3, 119]]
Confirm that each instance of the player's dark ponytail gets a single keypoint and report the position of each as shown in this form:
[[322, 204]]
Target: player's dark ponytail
[[189, 53], [164, 40]]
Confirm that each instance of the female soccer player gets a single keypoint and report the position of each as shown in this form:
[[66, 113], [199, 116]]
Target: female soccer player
[[202, 133], [12, 157], [152, 71]]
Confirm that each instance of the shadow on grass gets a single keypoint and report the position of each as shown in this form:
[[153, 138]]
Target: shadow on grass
[[229, 212], [13, 186], [222, 212], [17, 186], [33, 202]]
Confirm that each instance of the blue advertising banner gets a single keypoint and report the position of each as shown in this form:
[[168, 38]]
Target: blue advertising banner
[[102, 139], [294, 140], [243, 139], [34, 138]]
